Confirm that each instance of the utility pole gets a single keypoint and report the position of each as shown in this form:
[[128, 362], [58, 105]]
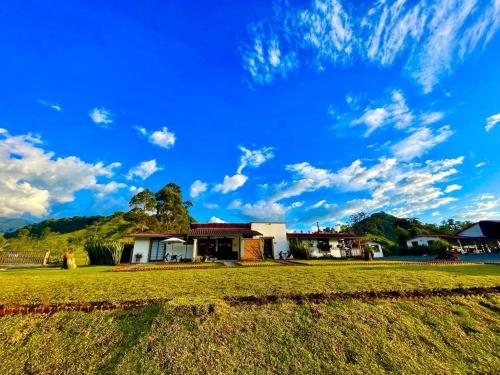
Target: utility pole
[[317, 224]]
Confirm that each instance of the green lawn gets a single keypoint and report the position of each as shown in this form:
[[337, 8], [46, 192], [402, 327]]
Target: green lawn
[[259, 263], [52, 285], [433, 336], [196, 332]]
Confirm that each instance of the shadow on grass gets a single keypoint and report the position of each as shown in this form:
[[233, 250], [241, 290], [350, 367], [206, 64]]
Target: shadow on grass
[[133, 325]]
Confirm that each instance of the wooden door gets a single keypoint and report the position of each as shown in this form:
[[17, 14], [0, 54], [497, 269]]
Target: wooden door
[[252, 250]]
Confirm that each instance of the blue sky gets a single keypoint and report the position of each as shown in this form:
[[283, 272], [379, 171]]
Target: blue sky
[[297, 111]]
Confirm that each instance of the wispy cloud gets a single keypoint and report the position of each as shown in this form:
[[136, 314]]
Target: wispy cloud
[[492, 121], [398, 187], [480, 164], [453, 187], [144, 170], [430, 37], [420, 142], [394, 113], [101, 116], [254, 158], [55, 107]]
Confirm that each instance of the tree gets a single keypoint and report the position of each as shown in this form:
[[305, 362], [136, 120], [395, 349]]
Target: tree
[[172, 211], [144, 200], [357, 218], [164, 210]]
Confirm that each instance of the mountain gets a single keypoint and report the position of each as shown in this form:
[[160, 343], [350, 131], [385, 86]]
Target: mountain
[[8, 224]]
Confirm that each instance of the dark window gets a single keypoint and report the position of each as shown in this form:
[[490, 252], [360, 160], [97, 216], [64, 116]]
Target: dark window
[[414, 243], [323, 244], [157, 251]]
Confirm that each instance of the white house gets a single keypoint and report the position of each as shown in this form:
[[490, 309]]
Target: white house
[[483, 236], [338, 245], [217, 241]]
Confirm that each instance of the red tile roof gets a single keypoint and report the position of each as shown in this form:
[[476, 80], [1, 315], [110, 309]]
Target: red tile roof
[[155, 234], [321, 235], [227, 231]]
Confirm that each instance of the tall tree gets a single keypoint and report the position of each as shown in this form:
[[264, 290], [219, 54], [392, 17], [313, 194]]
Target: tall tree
[[172, 211]]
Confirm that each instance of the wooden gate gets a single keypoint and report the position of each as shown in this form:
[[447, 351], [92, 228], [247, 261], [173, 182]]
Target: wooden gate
[[252, 250]]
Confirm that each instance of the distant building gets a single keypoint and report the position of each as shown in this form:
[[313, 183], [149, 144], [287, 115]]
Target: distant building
[[338, 245], [480, 237]]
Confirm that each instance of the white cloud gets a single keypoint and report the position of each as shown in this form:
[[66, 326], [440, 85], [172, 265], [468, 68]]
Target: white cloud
[[33, 179], [211, 206], [197, 188], [254, 158], [101, 116], [297, 204], [428, 38], [485, 206], [162, 138], [144, 170], [480, 165], [55, 107], [419, 142], [264, 59], [431, 117], [231, 183], [135, 189], [108, 188], [492, 121], [394, 113], [400, 188], [453, 187], [264, 210], [215, 219]]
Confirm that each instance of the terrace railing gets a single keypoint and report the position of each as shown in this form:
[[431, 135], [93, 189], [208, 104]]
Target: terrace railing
[[24, 257]]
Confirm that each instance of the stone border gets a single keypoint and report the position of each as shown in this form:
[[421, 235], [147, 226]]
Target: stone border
[[364, 296]]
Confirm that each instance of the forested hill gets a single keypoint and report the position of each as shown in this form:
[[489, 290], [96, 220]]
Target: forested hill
[[8, 224], [396, 230], [115, 223]]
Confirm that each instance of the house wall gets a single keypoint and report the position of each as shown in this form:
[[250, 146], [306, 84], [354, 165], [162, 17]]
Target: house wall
[[179, 249], [275, 230], [141, 246], [334, 249], [422, 241], [473, 231]]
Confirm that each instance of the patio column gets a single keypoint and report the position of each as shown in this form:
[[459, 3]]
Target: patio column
[[195, 248]]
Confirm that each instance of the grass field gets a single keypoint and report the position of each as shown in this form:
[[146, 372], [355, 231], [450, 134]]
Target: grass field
[[54, 285], [445, 336], [432, 335]]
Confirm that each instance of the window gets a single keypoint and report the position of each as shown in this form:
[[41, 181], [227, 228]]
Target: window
[[157, 251], [323, 244], [414, 243]]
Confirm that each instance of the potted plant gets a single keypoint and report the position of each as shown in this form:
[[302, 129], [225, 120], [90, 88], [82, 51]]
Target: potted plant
[[368, 252], [138, 258], [69, 261]]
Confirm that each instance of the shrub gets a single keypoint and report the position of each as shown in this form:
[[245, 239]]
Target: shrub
[[301, 250], [104, 252], [442, 249]]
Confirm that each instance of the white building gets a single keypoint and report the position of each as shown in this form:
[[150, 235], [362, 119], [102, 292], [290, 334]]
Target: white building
[[337, 245], [217, 241], [480, 237]]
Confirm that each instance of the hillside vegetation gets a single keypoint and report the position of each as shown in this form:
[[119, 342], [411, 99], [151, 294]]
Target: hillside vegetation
[[8, 224]]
